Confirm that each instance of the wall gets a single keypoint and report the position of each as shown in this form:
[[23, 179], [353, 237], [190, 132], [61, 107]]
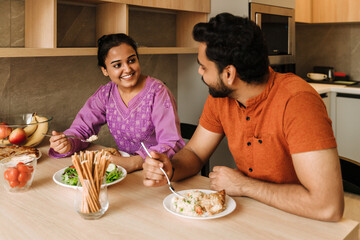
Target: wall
[[336, 45], [59, 86]]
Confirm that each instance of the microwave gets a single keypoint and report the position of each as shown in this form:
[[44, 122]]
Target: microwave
[[278, 26]]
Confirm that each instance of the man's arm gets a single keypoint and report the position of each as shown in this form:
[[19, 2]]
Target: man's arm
[[187, 162], [319, 196]]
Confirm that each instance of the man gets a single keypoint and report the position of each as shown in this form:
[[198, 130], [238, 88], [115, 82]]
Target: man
[[277, 128]]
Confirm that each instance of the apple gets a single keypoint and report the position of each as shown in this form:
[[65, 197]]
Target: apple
[[17, 136], [4, 131]]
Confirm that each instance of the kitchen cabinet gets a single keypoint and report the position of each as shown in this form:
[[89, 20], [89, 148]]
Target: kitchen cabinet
[[112, 16], [326, 98], [303, 11], [347, 125], [327, 11]]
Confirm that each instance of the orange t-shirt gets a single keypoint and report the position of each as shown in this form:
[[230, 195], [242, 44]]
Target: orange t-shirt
[[288, 117]]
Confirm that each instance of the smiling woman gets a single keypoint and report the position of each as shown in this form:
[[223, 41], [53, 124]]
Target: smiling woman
[[137, 108]]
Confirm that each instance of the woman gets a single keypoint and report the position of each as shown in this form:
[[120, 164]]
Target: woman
[[137, 109]]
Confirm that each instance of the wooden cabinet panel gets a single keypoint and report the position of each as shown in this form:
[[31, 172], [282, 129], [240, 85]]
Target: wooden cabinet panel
[[327, 11], [303, 11], [40, 23]]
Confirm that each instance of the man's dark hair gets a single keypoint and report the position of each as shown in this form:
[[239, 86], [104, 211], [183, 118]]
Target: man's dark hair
[[106, 42], [237, 41]]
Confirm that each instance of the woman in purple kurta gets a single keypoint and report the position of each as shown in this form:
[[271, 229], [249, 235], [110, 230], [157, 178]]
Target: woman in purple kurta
[[135, 107]]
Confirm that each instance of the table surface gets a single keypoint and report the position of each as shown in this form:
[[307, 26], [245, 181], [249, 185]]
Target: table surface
[[46, 211]]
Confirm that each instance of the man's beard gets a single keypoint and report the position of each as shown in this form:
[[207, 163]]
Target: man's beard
[[220, 91]]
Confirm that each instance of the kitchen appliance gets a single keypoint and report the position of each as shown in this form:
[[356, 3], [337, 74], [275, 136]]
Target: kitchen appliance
[[329, 71], [278, 26]]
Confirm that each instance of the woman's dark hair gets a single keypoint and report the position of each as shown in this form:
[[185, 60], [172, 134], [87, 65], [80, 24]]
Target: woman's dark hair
[[237, 41], [106, 42]]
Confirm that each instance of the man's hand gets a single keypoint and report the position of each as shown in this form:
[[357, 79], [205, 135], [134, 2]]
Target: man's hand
[[153, 176], [231, 180]]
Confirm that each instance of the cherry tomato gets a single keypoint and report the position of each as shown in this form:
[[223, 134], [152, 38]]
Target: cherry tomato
[[6, 174], [30, 168], [21, 184], [23, 177], [23, 168], [14, 183], [13, 174]]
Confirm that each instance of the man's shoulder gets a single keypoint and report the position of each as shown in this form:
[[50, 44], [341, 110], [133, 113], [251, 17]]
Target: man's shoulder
[[292, 84]]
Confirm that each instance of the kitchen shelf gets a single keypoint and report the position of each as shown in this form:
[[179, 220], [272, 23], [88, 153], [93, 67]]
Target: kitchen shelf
[[42, 21]]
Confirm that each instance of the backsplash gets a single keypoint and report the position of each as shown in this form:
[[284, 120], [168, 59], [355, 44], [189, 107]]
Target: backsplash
[[336, 45]]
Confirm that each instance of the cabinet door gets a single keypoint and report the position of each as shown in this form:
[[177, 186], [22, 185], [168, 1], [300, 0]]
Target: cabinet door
[[303, 11], [331, 11], [327, 11], [347, 125], [326, 98]]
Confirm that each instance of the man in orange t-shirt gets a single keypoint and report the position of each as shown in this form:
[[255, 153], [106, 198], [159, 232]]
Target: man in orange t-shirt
[[277, 128]]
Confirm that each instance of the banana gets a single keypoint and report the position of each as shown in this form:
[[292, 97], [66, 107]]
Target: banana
[[4, 142], [42, 128], [30, 129]]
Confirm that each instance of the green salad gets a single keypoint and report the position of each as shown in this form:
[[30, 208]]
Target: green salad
[[112, 174]]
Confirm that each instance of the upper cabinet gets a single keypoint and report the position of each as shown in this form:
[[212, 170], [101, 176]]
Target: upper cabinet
[[327, 11], [71, 28]]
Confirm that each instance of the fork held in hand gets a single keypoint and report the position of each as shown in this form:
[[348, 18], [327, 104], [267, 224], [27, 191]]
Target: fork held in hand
[[167, 178], [68, 136]]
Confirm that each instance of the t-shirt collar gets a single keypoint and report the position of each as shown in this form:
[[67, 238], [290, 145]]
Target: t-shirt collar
[[264, 94]]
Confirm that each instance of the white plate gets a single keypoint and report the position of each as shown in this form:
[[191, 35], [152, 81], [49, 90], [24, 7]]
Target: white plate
[[13, 160], [57, 177], [230, 205]]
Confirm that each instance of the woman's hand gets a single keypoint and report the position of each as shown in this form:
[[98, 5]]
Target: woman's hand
[[59, 142], [130, 164], [153, 176]]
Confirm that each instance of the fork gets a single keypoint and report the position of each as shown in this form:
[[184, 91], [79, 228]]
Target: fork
[[167, 178], [69, 136]]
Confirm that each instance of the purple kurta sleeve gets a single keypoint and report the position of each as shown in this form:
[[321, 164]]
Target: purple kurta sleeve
[[87, 122], [166, 122]]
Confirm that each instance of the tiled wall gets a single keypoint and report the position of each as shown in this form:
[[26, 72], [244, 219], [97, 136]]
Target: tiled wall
[[59, 86], [336, 45]]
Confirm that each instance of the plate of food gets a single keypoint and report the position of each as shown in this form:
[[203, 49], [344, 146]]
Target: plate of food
[[68, 177], [200, 204], [14, 152]]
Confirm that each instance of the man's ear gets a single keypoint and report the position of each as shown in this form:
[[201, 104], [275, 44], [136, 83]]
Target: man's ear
[[104, 72], [230, 74]]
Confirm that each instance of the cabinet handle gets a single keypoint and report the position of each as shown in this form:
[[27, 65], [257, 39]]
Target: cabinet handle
[[324, 95], [347, 95]]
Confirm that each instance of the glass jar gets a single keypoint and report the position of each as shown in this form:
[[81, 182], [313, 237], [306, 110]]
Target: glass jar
[[17, 173], [91, 202]]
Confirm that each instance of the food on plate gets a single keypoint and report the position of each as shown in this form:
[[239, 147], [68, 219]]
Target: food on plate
[[198, 203], [19, 175], [14, 150], [70, 175], [112, 151]]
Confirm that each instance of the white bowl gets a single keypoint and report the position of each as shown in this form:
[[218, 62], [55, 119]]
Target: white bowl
[[317, 76]]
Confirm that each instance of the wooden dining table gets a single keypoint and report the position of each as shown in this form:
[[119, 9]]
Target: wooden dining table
[[46, 211]]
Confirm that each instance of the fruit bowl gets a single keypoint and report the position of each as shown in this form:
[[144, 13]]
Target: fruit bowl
[[23, 129]]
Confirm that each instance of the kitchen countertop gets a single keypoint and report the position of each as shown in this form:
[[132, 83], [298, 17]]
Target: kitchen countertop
[[324, 88], [46, 211]]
